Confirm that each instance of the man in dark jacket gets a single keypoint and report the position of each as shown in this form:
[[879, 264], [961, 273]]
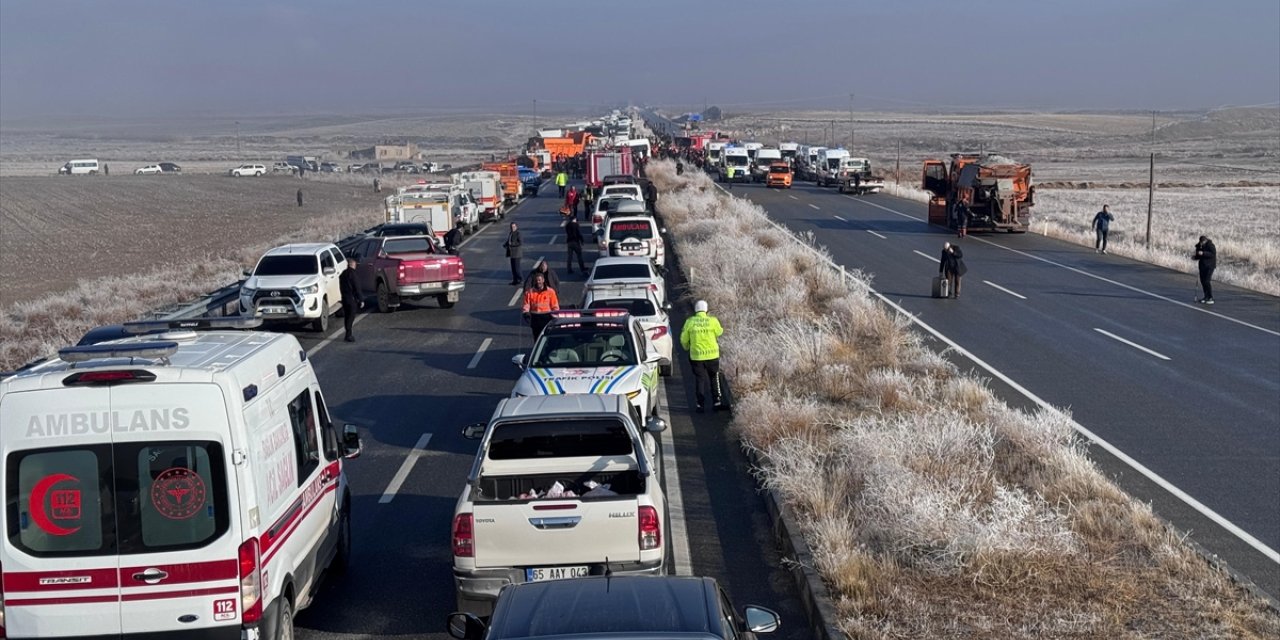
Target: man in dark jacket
[[1101, 223], [512, 245], [299, 197], [650, 196], [548, 275], [951, 266], [573, 242], [352, 296], [1207, 257], [453, 238]]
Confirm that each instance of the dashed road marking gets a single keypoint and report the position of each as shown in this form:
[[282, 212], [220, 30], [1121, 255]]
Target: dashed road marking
[[925, 255], [480, 353], [838, 218], [992, 284], [877, 235], [1131, 343], [405, 467]]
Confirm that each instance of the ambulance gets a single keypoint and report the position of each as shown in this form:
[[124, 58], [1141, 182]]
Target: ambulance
[[185, 482]]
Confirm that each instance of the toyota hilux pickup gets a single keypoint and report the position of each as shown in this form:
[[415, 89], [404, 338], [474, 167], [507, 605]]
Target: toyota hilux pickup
[[408, 267], [562, 486], [295, 283]]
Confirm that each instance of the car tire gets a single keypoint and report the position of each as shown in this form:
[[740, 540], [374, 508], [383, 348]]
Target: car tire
[[384, 298], [321, 324], [342, 556], [284, 624], [443, 299]]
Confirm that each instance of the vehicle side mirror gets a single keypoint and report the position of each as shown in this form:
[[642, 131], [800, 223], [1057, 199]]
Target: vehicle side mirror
[[761, 620], [247, 272], [473, 431], [518, 360], [351, 444], [655, 425], [328, 271], [663, 231], [666, 306], [465, 626]]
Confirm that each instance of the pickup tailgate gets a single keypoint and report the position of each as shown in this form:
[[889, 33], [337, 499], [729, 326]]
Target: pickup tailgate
[[540, 533], [427, 267]]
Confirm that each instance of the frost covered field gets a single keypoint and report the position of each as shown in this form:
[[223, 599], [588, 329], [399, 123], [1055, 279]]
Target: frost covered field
[[1217, 173]]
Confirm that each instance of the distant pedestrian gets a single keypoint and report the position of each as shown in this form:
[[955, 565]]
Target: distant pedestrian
[[562, 179], [543, 269], [299, 196], [539, 301], [377, 186], [573, 243], [302, 171], [650, 196], [1101, 223], [729, 175], [699, 337], [951, 266], [512, 245], [106, 169], [571, 201], [961, 212], [352, 296], [679, 168], [453, 238], [1207, 257]]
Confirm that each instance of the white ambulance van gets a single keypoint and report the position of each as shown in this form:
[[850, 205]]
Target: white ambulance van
[[187, 483]]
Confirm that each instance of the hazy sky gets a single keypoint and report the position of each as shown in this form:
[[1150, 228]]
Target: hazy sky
[[232, 57]]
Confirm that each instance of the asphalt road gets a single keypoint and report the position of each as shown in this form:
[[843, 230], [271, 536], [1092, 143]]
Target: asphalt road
[[1190, 392], [413, 379]]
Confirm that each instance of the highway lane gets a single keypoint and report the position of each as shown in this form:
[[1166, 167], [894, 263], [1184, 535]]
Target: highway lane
[[1192, 393], [416, 372]]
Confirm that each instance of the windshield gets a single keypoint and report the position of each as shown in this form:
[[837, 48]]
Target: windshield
[[737, 161], [779, 169], [619, 271], [639, 307], [627, 229], [622, 189], [788, 153], [417, 244], [833, 163], [580, 346], [304, 265], [559, 439]]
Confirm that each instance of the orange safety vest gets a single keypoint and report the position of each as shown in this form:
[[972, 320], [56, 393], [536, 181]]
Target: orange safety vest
[[544, 301]]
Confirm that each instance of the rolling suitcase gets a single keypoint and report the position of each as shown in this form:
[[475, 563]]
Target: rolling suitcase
[[941, 287]]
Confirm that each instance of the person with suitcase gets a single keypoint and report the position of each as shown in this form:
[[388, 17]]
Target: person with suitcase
[[951, 268]]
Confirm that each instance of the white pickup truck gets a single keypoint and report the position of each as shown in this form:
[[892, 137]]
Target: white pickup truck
[[563, 486]]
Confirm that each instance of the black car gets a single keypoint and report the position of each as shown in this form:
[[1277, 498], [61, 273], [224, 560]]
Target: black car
[[169, 167], [602, 607], [400, 229]]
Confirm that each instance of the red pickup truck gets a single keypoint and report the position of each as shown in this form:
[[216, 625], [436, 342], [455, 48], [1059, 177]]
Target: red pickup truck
[[412, 267]]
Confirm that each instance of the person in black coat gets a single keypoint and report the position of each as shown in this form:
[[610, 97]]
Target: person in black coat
[[452, 239], [952, 267], [573, 242], [1207, 257], [548, 276], [352, 296], [512, 245]]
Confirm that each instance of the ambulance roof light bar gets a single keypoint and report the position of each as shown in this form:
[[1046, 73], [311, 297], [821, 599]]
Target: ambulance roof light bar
[[147, 350], [192, 324]]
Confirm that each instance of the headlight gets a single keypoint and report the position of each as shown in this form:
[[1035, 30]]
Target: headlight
[[634, 394], [247, 292], [306, 291]]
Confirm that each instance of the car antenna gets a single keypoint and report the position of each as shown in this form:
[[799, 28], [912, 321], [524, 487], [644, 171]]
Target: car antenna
[[608, 575]]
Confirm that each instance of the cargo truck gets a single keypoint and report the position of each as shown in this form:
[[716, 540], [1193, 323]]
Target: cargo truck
[[509, 173], [606, 163], [979, 193]]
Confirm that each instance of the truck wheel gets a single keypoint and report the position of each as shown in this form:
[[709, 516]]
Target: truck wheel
[[321, 324], [284, 626], [443, 299], [384, 298]]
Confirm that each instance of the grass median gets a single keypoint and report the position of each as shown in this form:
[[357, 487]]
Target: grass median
[[931, 507]]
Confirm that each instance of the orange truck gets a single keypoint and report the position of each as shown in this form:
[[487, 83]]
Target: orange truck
[[510, 173], [995, 194], [567, 146], [779, 175]]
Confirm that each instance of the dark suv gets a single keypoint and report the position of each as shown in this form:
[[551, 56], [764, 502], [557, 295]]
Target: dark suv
[[601, 607]]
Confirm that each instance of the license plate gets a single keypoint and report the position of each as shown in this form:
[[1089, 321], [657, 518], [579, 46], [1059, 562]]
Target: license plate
[[272, 311], [541, 574]]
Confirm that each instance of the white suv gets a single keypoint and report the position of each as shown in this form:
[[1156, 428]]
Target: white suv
[[254, 170], [633, 235], [151, 169], [295, 283]]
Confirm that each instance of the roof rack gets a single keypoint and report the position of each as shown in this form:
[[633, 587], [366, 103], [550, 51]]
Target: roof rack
[[192, 324], [149, 350]]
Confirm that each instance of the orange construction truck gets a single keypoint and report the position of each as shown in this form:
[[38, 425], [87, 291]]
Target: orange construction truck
[[510, 173], [995, 194]]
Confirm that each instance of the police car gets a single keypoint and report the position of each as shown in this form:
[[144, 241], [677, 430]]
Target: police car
[[643, 304], [594, 351], [177, 484]]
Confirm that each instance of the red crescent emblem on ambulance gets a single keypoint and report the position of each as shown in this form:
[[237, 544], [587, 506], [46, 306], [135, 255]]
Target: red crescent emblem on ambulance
[[37, 504]]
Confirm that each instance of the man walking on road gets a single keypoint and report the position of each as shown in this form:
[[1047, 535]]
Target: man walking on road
[[573, 242], [562, 179], [1101, 223], [698, 337], [543, 269], [951, 266], [352, 296], [299, 196], [539, 301], [1207, 257], [512, 245]]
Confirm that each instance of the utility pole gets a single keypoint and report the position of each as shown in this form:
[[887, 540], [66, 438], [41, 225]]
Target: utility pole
[[851, 122], [832, 135], [535, 115], [238, 139], [1151, 178], [897, 166]]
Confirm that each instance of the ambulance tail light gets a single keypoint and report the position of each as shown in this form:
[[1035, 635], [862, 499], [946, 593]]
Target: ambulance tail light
[[650, 529], [250, 582], [463, 536]]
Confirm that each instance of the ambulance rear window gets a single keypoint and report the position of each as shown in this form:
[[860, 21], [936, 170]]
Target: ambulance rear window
[[180, 501], [60, 501]]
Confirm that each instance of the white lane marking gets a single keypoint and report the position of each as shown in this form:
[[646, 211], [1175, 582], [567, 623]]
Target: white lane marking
[[515, 296], [814, 206], [334, 336], [405, 467], [681, 557], [838, 218], [1132, 344], [1082, 272], [924, 255], [480, 353], [792, 197], [552, 239], [1016, 295], [1205, 511], [876, 234]]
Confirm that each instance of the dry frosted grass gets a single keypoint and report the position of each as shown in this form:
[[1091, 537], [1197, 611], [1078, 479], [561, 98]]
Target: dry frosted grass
[[932, 509], [36, 328]]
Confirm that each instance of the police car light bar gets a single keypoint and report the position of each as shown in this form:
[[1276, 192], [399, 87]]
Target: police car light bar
[[192, 324], [149, 350], [590, 313]]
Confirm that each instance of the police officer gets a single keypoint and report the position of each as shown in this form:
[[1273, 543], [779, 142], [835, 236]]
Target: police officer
[[352, 296], [698, 337]]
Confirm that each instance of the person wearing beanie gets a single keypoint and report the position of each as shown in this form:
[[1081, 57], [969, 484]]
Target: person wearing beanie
[[699, 337]]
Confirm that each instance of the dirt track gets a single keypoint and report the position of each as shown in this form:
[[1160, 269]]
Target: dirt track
[[55, 232]]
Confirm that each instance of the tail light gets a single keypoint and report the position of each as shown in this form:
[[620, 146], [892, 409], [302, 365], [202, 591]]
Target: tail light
[[650, 529], [463, 536], [658, 332], [250, 582], [400, 274]]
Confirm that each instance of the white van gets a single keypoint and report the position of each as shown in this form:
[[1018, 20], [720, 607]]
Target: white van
[[79, 168], [181, 483]]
